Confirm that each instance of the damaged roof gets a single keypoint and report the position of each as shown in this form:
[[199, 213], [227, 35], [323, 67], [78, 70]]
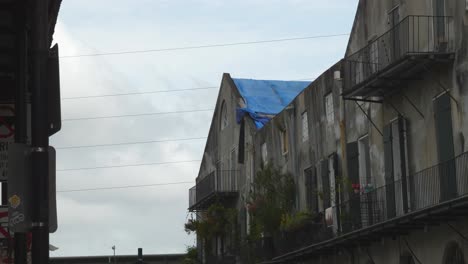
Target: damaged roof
[[266, 98]]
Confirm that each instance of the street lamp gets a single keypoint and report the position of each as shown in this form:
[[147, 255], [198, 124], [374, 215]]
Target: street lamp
[[113, 248]]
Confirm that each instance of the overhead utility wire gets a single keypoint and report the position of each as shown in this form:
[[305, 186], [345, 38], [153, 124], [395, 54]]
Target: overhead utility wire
[[135, 115], [201, 46], [153, 92], [123, 187], [129, 165], [139, 93], [144, 114], [130, 143]]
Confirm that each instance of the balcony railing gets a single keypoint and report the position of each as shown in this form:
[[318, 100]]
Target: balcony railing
[[394, 52], [219, 184], [367, 208]]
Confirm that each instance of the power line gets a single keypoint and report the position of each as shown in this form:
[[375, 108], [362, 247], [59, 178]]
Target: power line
[[202, 46], [156, 91], [139, 93], [135, 115], [129, 165], [123, 187], [130, 143]]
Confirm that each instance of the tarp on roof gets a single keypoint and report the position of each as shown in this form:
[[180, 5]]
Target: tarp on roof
[[265, 99]]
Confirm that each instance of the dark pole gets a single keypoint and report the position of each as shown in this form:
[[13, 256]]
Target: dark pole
[[39, 133], [20, 110], [140, 256], [115, 260]]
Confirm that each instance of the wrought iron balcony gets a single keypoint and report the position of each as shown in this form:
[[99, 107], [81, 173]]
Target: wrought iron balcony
[[217, 186], [431, 196], [400, 54]]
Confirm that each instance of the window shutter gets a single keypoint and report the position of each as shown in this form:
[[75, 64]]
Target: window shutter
[[325, 183], [241, 153], [352, 153], [404, 176], [334, 158], [443, 120], [311, 187], [389, 178]]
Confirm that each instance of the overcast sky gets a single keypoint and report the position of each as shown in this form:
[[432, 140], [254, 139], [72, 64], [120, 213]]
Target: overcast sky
[[91, 222]]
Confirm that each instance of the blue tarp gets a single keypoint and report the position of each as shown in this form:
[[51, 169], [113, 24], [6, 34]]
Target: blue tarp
[[265, 98]]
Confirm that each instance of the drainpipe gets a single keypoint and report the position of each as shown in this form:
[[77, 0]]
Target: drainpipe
[[338, 85]]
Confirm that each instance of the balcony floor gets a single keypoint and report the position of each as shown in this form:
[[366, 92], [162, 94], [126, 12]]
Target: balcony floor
[[402, 225], [407, 68]]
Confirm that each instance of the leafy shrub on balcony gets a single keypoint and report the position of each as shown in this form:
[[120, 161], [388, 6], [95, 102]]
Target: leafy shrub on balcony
[[296, 221], [217, 221], [191, 256], [272, 197]]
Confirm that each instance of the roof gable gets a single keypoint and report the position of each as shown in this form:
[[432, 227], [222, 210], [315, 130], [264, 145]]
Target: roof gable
[[266, 98]]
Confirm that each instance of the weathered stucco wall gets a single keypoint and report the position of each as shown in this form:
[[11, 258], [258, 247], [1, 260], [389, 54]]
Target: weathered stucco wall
[[412, 99], [323, 137], [222, 150], [371, 22], [429, 246]]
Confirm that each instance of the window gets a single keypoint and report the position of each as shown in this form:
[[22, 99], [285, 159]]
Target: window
[[374, 56], [396, 171], [445, 146], [264, 153], [232, 171], [441, 36], [224, 117], [329, 112], [284, 142], [365, 186], [364, 161], [324, 172], [305, 127], [395, 47]]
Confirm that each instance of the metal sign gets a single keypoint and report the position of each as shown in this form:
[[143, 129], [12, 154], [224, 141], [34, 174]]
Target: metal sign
[[52, 191], [7, 134], [19, 187]]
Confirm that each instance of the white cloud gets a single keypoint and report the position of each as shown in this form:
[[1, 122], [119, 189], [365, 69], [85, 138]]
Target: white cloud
[[153, 217]]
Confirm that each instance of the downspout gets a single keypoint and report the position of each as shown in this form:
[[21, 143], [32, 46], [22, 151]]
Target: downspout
[[338, 83]]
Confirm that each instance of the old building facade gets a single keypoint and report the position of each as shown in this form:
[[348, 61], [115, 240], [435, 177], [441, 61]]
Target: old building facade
[[227, 169], [376, 144]]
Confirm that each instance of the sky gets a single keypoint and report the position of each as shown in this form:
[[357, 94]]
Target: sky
[[91, 222]]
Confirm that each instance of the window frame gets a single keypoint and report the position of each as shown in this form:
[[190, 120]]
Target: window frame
[[264, 152], [284, 142], [305, 127], [329, 108], [224, 121]]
